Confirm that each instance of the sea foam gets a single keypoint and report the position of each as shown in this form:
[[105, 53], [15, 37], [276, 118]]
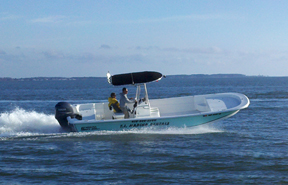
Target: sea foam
[[20, 121]]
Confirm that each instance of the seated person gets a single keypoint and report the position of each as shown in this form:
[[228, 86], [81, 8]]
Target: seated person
[[113, 102]]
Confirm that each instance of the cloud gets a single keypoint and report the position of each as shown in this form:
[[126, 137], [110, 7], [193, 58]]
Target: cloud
[[53, 55], [50, 19], [209, 50], [8, 17], [192, 17], [85, 57], [2, 52], [105, 46], [60, 19], [14, 58], [150, 48], [35, 62]]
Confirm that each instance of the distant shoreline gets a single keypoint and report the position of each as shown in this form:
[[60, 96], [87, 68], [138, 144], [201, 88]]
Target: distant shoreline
[[87, 78]]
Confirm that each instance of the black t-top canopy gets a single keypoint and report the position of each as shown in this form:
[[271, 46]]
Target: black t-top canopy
[[135, 78]]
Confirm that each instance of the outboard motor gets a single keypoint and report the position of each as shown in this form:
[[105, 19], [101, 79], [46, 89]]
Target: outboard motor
[[63, 110]]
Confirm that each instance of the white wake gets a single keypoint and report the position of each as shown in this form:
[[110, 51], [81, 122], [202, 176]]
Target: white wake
[[22, 122]]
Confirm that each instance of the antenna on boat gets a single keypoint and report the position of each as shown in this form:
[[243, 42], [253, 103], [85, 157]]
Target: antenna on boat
[[109, 77], [132, 79]]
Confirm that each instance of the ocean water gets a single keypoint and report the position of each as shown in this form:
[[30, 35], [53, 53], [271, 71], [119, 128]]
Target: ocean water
[[248, 148]]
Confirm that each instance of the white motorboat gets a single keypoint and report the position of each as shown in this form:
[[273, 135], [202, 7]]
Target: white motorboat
[[184, 111]]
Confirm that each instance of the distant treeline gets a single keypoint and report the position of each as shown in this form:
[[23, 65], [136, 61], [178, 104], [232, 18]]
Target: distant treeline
[[48, 78], [212, 76], [87, 78]]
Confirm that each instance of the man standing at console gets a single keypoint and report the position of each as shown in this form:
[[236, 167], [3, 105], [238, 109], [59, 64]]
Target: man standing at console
[[123, 102]]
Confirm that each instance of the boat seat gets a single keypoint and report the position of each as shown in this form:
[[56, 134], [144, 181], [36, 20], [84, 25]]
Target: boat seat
[[87, 111], [201, 104], [117, 115], [154, 112]]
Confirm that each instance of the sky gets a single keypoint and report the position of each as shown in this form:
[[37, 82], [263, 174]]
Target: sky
[[88, 38]]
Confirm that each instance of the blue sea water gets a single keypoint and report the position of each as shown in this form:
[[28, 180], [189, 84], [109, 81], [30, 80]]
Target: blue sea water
[[248, 148]]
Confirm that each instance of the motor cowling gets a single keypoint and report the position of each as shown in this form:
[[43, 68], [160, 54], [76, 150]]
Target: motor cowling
[[62, 111]]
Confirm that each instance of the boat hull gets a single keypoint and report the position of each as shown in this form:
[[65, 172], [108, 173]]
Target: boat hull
[[160, 122]]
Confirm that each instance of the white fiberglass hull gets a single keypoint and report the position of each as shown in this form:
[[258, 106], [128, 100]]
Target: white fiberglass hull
[[170, 112], [125, 124]]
